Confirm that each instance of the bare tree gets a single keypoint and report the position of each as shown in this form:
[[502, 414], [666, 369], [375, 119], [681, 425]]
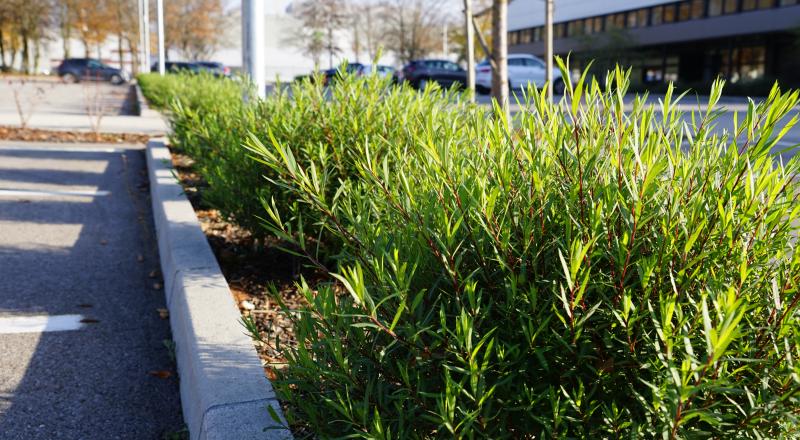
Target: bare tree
[[321, 20], [194, 27], [413, 27]]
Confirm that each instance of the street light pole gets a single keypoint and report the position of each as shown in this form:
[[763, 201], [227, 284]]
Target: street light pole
[[253, 17], [140, 52], [548, 25], [470, 49], [161, 54], [146, 24]]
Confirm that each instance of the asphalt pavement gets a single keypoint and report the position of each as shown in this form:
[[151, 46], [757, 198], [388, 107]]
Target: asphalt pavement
[[84, 350]]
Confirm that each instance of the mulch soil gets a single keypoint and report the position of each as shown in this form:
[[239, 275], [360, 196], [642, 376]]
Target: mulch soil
[[36, 135], [253, 270]]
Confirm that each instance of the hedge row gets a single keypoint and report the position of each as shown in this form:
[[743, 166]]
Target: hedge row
[[591, 272]]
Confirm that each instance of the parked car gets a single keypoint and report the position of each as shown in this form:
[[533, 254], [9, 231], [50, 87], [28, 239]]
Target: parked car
[[379, 69], [89, 69], [177, 67], [419, 73], [217, 69], [356, 69], [523, 69]]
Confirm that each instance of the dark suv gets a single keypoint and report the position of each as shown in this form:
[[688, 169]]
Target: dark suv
[[90, 69], [420, 73]]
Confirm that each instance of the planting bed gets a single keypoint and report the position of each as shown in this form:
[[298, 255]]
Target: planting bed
[[37, 135]]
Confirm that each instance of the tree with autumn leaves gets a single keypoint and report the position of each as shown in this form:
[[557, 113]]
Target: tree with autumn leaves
[[194, 28]]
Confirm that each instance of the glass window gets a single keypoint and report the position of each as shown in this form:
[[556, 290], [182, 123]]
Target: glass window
[[610, 22], [587, 26], [598, 24], [669, 13], [731, 6], [537, 34], [684, 11], [631, 20], [698, 9], [655, 15], [714, 8], [619, 20], [788, 2], [748, 5], [513, 38], [515, 62], [766, 4], [641, 17], [558, 30]]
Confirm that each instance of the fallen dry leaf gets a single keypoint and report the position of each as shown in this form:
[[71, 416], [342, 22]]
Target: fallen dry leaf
[[163, 313], [270, 373], [161, 374]]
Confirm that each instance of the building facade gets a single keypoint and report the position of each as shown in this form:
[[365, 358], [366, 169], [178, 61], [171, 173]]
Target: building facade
[[691, 42]]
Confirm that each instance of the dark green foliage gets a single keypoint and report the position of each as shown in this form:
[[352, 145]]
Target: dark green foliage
[[591, 273]]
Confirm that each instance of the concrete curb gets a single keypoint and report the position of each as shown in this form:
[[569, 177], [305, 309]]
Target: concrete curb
[[224, 392], [144, 107]]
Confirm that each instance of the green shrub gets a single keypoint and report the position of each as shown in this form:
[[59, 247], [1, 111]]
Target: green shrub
[[589, 273]]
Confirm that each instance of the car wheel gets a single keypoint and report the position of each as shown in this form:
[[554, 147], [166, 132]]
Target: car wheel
[[69, 78], [116, 79], [558, 87], [482, 90], [422, 84]]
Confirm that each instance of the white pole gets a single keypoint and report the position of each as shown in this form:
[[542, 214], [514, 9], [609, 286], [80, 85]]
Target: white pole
[[253, 60], [160, 14], [548, 14], [470, 49], [140, 54], [146, 8]]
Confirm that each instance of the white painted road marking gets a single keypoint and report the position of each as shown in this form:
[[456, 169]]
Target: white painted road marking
[[38, 193], [39, 324], [61, 149]]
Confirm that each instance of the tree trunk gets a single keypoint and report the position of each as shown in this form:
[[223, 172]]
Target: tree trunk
[[26, 55], [119, 49], [66, 30], [500, 54], [87, 50], [37, 46], [470, 48], [3, 64], [330, 48]]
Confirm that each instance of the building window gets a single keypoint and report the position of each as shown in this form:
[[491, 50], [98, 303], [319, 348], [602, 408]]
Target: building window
[[685, 11], [641, 17], [609, 22], [788, 2], [598, 24], [656, 15], [748, 5], [619, 20], [751, 61], [714, 8], [513, 37], [698, 9], [537, 34], [587, 26], [669, 13], [558, 30], [731, 6], [631, 20], [766, 4]]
